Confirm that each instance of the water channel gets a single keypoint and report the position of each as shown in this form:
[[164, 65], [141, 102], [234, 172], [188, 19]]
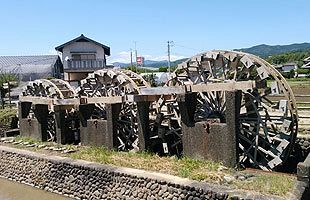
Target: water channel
[[10, 190]]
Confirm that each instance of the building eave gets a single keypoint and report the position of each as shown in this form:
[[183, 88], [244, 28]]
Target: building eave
[[82, 37]]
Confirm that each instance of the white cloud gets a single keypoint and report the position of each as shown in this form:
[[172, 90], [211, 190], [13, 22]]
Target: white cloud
[[124, 57], [52, 52]]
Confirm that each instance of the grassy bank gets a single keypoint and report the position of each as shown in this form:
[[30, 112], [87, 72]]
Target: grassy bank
[[5, 116], [200, 170]]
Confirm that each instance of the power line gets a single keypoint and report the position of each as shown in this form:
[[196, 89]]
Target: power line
[[190, 48]]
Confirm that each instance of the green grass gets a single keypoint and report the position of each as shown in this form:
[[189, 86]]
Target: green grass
[[5, 115], [276, 184], [184, 167], [200, 170]]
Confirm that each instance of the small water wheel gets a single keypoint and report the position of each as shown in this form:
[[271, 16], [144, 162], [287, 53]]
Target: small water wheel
[[108, 83]]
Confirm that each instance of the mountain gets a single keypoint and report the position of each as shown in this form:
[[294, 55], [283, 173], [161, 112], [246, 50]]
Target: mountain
[[262, 50], [265, 51], [152, 63]]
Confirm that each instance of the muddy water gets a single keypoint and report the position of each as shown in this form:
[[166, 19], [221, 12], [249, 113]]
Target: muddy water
[[10, 190]]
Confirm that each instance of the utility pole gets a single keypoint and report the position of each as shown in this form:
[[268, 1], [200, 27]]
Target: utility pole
[[9, 88], [131, 65], [136, 54], [170, 43]]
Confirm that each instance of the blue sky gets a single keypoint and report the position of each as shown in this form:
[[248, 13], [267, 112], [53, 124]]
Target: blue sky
[[36, 27]]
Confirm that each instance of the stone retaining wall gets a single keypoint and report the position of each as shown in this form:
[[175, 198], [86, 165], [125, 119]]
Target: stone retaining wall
[[303, 143], [303, 177], [86, 180]]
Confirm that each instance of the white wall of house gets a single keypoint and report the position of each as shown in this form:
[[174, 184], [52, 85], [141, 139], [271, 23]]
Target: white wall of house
[[288, 68], [81, 47]]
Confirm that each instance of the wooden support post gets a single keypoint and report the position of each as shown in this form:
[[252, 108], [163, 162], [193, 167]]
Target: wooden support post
[[41, 113], [188, 108], [232, 114], [60, 125], [24, 109], [113, 111], [85, 112], [143, 125]]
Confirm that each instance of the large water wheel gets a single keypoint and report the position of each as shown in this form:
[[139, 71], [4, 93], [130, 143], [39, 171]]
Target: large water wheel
[[54, 89], [108, 83], [268, 114]]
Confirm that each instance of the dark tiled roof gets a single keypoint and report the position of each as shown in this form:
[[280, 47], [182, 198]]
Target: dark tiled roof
[[307, 59], [14, 61], [82, 38], [306, 66]]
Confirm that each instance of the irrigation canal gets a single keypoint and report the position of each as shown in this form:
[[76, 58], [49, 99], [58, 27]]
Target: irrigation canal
[[10, 190]]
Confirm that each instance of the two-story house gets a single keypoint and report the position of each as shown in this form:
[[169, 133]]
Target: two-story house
[[81, 56]]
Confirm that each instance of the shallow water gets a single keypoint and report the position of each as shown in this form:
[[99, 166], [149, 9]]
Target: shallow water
[[10, 190]]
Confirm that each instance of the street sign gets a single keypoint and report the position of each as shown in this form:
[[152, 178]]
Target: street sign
[[140, 60]]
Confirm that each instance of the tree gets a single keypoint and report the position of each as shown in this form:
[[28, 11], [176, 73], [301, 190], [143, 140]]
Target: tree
[[151, 79], [6, 78], [163, 69]]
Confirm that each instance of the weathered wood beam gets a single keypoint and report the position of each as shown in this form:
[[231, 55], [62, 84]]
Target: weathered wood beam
[[104, 100], [36, 100], [48, 101], [229, 86]]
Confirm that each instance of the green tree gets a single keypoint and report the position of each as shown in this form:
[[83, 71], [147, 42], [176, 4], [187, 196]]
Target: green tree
[[163, 69], [6, 78]]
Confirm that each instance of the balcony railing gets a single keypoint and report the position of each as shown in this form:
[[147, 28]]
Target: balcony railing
[[85, 64]]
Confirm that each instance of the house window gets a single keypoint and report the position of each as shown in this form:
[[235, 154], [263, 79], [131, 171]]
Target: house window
[[83, 57]]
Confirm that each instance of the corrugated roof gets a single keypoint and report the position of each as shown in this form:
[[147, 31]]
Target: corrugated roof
[[14, 61]]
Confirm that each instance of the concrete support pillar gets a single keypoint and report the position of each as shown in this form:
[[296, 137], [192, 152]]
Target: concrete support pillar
[[143, 125], [212, 140], [35, 128], [94, 133]]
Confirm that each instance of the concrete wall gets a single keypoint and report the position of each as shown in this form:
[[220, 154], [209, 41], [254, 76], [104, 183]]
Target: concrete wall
[[303, 144], [215, 144], [211, 140], [82, 47], [30, 128], [95, 133], [303, 176]]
